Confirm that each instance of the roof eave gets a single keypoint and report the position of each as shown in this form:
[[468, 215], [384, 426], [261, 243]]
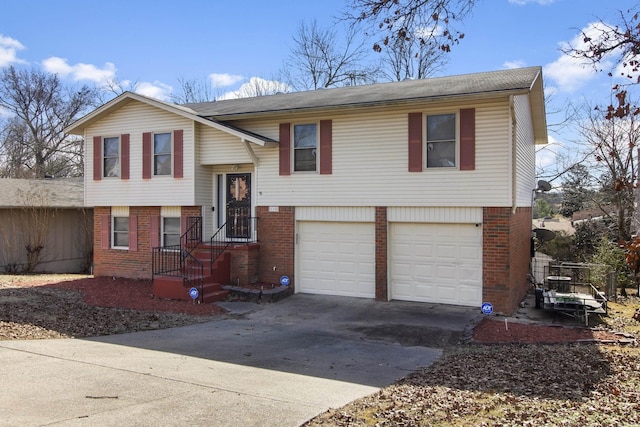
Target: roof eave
[[78, 127], [357, 105]]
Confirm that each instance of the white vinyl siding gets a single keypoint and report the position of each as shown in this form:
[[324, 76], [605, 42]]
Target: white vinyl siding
[[435, 215], [370, 163], [220, 148], [332, 213], [204, 179], [134, 119], [525, 151]]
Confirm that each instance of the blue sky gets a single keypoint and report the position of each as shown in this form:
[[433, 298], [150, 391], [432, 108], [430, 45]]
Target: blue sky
[[155, 43]]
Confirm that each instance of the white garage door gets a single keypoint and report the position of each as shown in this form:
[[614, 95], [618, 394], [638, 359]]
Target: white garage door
[[439, 263], [336, 258]]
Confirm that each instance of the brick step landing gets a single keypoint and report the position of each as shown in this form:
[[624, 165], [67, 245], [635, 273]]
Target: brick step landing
[[170, 287], [174, 288]]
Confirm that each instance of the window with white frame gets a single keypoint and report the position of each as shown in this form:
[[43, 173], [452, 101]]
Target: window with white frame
[[170, 231], [305, 147], [441, 140], [120, 227], [111, 157], [162, 153]]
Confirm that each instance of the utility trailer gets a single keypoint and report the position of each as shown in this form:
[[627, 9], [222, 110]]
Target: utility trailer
[[575, 304]]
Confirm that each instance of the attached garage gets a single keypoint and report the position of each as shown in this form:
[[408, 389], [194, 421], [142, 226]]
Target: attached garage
[[436, 262], [336, 258]]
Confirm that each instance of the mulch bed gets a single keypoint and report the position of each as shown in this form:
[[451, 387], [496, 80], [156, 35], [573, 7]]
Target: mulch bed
[[491, 331]]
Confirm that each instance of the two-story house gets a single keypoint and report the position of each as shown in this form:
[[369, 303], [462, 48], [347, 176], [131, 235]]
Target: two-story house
[[417, 190]]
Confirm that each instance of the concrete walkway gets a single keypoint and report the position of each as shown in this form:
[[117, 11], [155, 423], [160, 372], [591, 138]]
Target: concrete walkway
[[263, 365]]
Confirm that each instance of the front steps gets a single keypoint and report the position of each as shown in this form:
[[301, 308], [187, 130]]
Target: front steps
[[171, 287]]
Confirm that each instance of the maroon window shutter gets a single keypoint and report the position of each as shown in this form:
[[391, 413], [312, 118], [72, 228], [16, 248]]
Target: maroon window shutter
[[326, 136], [154, 232], [133, 233], [97, 158], [104, 232], [177, 155], [146, 155], [468, 139], [285, 148], [124, 147], [415, 142]]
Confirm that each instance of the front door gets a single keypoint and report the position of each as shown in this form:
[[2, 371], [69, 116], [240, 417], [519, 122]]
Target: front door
[[239, 205]]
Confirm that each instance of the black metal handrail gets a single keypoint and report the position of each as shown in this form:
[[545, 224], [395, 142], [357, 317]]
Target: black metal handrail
[[178, 260]]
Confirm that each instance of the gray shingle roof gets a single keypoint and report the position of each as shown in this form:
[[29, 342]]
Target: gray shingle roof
[[514, 80], [58, 193]]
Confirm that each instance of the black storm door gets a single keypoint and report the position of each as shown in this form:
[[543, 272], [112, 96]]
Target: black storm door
[[239, 205]]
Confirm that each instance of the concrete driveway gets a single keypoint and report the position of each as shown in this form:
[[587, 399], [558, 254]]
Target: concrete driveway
[[275, 364]]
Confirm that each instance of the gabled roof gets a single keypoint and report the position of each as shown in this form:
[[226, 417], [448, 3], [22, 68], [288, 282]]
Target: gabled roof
[[470, 86], [51, 193], [218, 114], [78, 127]]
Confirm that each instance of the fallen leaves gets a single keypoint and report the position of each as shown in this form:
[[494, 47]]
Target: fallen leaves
[[34, 310], [524, 385]]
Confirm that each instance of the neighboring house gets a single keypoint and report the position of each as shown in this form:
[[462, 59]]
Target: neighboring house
[[417, 190], [44, 226]]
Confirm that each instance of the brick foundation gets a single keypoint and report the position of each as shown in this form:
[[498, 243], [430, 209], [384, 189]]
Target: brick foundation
[[505, 264], [122, 262], [276, 235], [505, 260]]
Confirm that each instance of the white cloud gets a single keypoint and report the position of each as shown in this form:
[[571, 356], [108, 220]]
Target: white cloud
[[257, 86], [223, 80], [523, 2], [157, 90], [102, 76], [8, 51], [569, 73], [514, 64]]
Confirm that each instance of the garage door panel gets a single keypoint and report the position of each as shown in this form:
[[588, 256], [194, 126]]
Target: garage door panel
[[342, 256], [436, 263]]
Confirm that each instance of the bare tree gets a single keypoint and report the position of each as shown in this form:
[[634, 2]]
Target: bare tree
[[33, 142], [411, 59], [320, 59], [192, 91], [618, 44], [24, 230], [613, 141], [426, 21]]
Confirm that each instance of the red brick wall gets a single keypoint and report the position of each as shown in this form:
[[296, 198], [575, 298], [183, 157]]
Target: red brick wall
[[505, 262], [520, 252], [125, 263], [276, 235], [244, 263], [381, 254]]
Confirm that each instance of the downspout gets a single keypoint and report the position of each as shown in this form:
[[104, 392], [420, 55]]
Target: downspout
[[514, 160]]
